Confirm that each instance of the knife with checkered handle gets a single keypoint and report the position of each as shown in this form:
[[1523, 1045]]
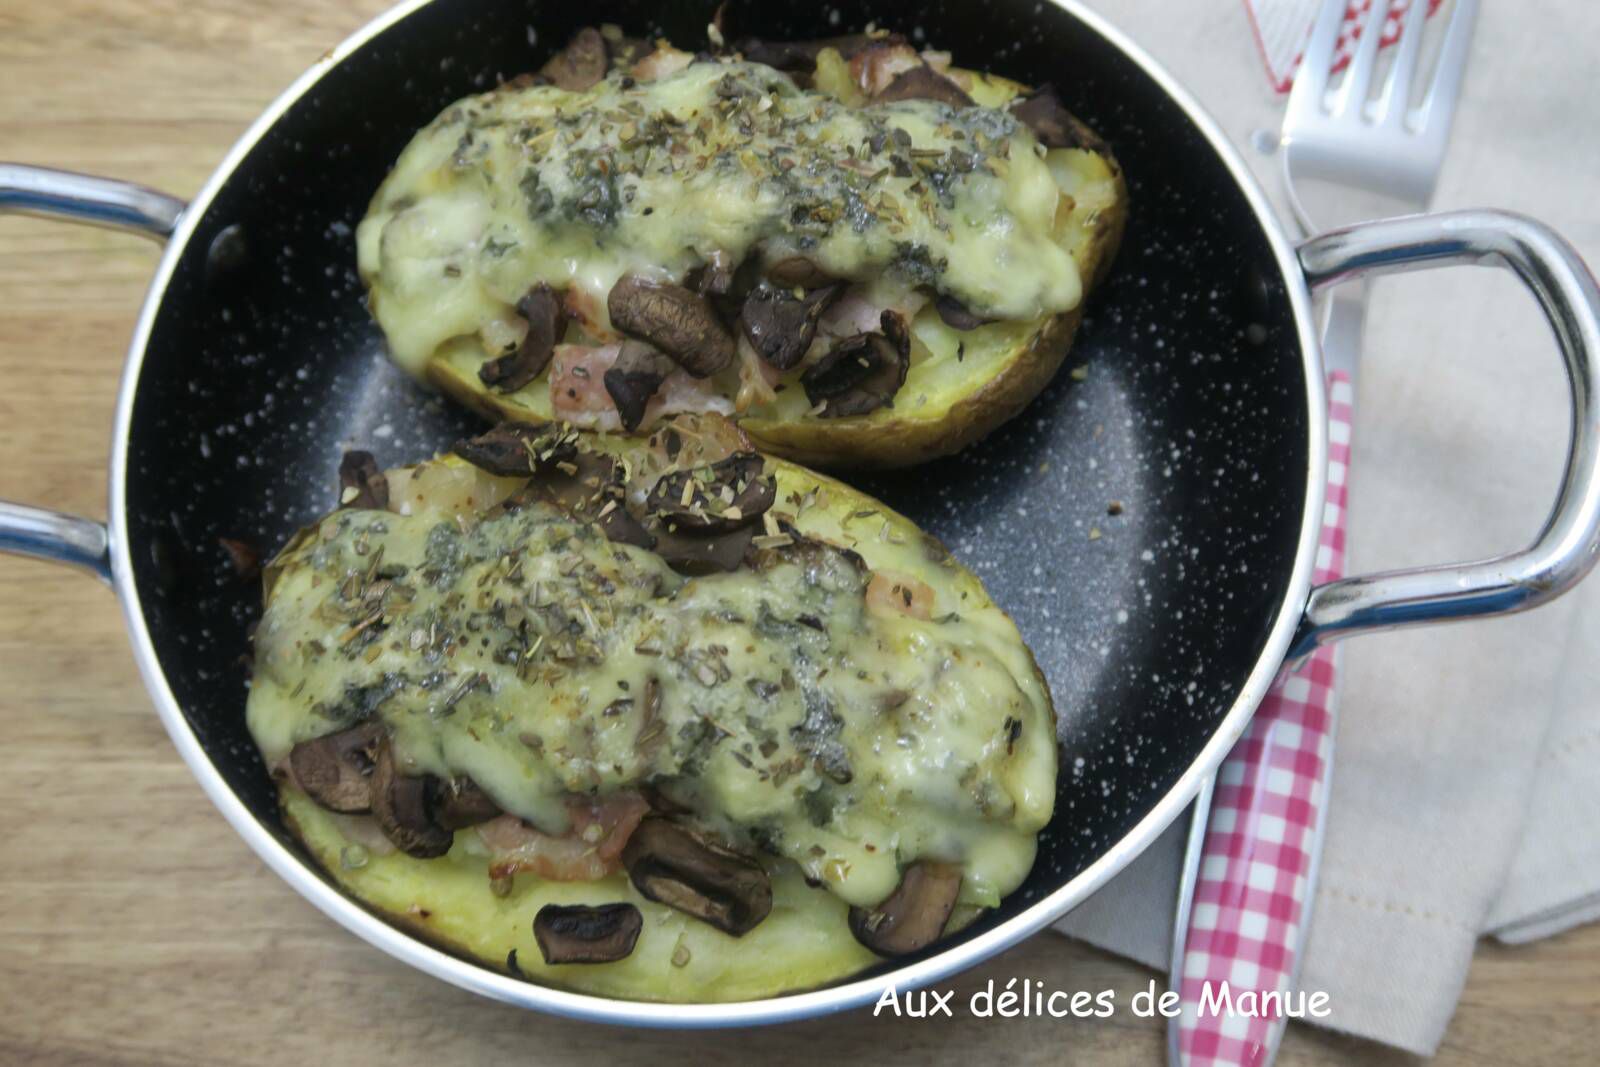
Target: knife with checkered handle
[[1251, 868]]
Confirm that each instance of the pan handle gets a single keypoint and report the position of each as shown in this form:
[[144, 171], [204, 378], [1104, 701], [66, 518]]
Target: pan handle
[[1566, 547], [82, 198], [59, 194]]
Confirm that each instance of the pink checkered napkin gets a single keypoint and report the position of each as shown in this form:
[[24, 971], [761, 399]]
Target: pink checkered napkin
[[1252, 896]]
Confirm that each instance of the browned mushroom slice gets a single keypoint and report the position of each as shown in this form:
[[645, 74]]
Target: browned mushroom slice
[[862, 373], [923, 83], [677, 867], [914, 915], [812, 555], [1052, 123], [724, 496], [589, 486], [244, 557], [361, 483], [620, 527], [578, 933], [460, 803], [547, 325], [524, 80], [625, 51], [519, 449], [798, 272], [714, 277], [583, 483], [697, 553], [780, 325], [336, 770], [676, 320], [581, 64], [801, 56], [957, 315], [403, 806], [634, 378]]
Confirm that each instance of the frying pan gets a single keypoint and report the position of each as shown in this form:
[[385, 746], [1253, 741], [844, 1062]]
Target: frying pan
[[1159, 627]]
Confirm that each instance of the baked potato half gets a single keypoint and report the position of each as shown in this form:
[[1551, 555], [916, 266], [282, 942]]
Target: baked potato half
[[660, 719], [863, 255]]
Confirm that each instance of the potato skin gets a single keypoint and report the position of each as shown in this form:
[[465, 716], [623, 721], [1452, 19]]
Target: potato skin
[[470, 394], [884, 440], [1108, 229], [887, 439], [721, 969], [807, 947]]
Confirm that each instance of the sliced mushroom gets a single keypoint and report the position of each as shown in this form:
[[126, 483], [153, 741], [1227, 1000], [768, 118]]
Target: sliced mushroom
[[813, 556], [695, 553], [801, 56], [336, 770], [625, 51], [243, 556], [714, 277], [620, 527], [724, 496], [781, 325], [914, 915], [798, 272], [681, 869], [519, 449], [676, 320], [460, 802], [863, 372], [522, 81], [541, 308], [403, 806], [581, 64], [579, 933], [600, 485], [1052, 123], [923, 83], [957, 315], [634, 378], [361, 483], [590, 485]]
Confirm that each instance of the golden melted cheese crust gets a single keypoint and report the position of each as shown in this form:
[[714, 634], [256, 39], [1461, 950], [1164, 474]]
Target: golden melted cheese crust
[[537, 184], [529, 653]]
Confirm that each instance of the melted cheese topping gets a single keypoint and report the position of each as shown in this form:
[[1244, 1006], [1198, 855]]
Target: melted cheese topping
[[531, 654], [527, 185]]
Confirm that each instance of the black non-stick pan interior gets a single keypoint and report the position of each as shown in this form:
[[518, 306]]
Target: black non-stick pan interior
[[1139, 520]]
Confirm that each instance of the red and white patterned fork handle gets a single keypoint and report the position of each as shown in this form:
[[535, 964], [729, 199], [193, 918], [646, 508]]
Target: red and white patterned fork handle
[[1280, 28], [1252, 892]]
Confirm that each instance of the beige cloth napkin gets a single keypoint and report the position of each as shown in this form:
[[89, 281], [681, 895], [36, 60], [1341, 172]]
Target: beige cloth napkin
[[1465, 800]]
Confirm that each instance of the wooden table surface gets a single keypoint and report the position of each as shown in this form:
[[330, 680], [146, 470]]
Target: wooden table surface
[[134, 926]]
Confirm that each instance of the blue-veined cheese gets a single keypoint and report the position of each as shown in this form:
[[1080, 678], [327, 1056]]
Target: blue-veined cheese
[[525, 651], [536, 184]]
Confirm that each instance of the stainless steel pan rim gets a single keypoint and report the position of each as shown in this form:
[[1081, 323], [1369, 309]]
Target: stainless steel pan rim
[[1306, 617], [293, 869]]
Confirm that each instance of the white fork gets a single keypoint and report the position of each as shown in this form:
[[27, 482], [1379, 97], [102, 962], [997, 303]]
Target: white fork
[[1388, 146], [1360, 157]]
